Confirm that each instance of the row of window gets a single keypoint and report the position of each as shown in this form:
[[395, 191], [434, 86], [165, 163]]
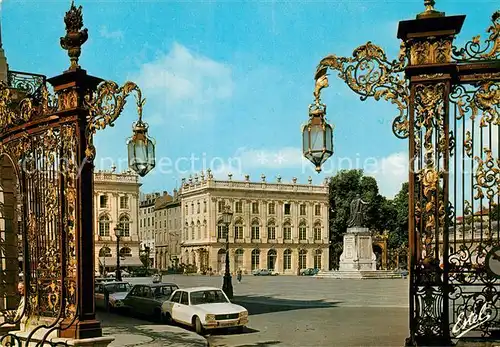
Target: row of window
[[271, 208], [106, 252], [271, 231], [104, 202], [271, 258], [104, 226]]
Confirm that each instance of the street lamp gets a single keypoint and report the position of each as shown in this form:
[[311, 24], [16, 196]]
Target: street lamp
[[317, 134], [118, 234], [227, 285]]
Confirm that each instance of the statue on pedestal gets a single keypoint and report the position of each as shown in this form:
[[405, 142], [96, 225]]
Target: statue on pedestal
[[357, 215]]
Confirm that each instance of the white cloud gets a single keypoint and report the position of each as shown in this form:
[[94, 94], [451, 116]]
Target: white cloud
[[115, 34], [183, 81], [390, 172]]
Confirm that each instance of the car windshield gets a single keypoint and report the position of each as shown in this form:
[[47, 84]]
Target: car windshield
[[118, 287], [207, 297], [163, 291]]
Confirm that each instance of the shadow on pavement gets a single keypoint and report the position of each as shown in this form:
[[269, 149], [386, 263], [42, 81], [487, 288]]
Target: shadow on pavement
[[265, 304], [256, 344]]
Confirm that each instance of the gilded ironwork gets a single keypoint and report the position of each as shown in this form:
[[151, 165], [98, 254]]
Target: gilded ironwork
[[370, 74], [105, 105], [474, 51], [30, 84], [75, 35], [430, 51]]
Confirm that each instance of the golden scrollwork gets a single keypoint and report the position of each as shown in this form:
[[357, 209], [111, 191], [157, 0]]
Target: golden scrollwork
[[487, 176], [67, 99], [430, 51], [468, 143], [105, 106], [12, 111], [473, 50], [370, 74]]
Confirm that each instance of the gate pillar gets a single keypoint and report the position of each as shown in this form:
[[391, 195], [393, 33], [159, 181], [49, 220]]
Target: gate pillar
[[71, 88]]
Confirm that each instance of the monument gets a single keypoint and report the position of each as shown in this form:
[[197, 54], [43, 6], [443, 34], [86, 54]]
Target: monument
[[358, 251], [358, 261]]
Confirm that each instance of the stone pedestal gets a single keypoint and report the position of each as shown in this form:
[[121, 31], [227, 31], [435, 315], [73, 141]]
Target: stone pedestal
[[358, 251]]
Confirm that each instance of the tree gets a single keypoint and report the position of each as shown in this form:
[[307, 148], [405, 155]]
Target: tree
[[398, 234], [343, 188]]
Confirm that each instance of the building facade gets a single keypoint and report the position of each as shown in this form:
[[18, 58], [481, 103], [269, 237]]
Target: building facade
[[116, 204], [167, 230], [147, 224], [279, 226]]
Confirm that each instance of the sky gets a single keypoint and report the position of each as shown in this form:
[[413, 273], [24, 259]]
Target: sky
[[228, 83]]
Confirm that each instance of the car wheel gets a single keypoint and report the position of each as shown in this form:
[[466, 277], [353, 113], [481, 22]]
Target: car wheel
[[197, 326], [167, 318]]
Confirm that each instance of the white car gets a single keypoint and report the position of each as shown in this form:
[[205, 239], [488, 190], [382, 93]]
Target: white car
[[116, 292], [203, 308]]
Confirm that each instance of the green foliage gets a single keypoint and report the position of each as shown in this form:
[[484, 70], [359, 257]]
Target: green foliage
[[382, 214]]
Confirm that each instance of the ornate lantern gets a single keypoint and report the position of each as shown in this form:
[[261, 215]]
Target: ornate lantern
[[141, 149], [227, 215], [317, 137]]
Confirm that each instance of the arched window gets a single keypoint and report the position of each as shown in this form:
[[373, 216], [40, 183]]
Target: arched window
[[192, 231], [287, 231], [302, 231], [104, 226], [317, 231], [287, 259], [105, 252], [198, 228], [186, 231], [238, 258], [255, 230], [271, 230], [302, 259], [255, 259], [221, 260], [317, 258], [238, 229], [271, 259], [221, 231], [125, 226], [205, 229], [125, 252]]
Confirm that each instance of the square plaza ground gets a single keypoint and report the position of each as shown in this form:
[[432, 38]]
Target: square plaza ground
[[306, 311]]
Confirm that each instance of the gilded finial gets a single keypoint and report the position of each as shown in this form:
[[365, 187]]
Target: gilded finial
[[75, 35], [429, 10]]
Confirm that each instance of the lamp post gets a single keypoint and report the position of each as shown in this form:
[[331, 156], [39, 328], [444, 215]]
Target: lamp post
[[118, 234], [447, 99], [227, 285]]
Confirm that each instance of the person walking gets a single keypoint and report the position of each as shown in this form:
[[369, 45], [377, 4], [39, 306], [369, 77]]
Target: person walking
[[238, 276]]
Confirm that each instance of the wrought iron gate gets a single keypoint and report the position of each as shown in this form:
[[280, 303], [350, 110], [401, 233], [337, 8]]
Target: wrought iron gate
[[449, 109]]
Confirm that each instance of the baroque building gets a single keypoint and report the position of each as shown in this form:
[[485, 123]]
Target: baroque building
[[167, 230], [116, 203], [279, 226], [147, 224]]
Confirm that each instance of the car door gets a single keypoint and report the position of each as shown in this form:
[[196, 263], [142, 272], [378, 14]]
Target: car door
[[132, 298], [148, 302], [175, 306], [99, 295], [182, 308]]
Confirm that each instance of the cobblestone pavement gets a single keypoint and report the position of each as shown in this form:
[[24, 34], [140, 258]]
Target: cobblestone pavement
[[306, 311], [130, 331]]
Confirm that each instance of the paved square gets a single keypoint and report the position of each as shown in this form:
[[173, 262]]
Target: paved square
[[305, 311]]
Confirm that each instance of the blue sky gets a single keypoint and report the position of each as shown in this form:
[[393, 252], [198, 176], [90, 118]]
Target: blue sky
[[229, 82]]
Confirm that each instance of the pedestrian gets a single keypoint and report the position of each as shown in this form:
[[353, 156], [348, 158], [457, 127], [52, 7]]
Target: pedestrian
[[239, 276]]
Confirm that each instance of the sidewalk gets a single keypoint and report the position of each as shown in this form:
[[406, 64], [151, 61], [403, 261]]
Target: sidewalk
[[129, 331]]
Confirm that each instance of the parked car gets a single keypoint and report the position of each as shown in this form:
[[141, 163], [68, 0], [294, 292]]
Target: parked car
[[264, 272], [147, 299], [116, 292], [309, 272], [204, 308], [103, 279], [156, 278]]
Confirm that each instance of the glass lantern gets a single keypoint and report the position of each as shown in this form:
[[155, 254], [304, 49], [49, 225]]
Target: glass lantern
[[317, 137], [227, 215], [141, 150]]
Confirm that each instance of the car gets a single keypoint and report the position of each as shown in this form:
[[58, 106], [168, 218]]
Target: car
[[147, 299], [204, 308], [156, 278], [264, 272], [115, 292], [309, 272]]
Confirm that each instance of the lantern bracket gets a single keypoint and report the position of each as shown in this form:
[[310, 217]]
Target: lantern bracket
[[105, 105]]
